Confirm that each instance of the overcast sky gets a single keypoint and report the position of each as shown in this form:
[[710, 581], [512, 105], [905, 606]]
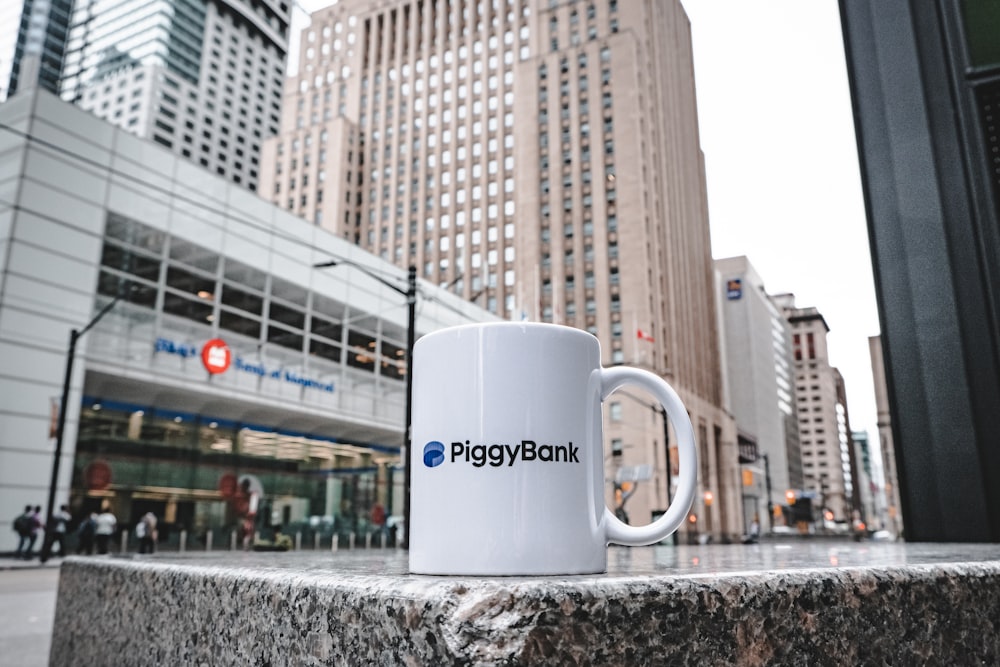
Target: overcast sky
[[781, 160]]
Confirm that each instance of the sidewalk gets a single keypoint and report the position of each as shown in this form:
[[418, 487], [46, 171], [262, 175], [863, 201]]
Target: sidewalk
[[27, 610], [8, 562]]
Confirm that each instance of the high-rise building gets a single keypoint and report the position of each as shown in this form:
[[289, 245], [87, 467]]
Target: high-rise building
[[868, 490], [925, 85], [894, 516], [542, 160], [761, 391], [32, 44], [206, 349], [824, 424], [201, 77]]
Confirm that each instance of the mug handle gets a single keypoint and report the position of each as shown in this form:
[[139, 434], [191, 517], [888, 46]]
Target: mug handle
[[635, 536]]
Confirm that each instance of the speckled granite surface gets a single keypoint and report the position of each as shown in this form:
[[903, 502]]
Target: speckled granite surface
[[800, 604]]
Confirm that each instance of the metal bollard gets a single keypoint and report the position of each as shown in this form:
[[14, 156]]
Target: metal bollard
[[124, 541], [232, 541], [208, 541], [368, 540], [382, 538], [316, 541], [184, 541], [298, 541], [335, 542], [350, 541]]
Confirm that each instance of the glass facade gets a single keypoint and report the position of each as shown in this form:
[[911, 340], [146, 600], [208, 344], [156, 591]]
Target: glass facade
[[200, 77], [260, 311], [109, 35], [207, 464], [42, 31], [188, 469]]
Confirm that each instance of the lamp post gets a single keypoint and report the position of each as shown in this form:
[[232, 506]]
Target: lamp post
[[770, 503], [666, 446], [74, 337], [411, 305]]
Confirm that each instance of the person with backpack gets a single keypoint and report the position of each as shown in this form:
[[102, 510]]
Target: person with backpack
[[85, 534], [57, 535], [24, 528], [29, 527]]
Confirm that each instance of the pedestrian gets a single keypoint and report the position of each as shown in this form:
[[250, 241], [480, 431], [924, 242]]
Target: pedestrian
[[56, 533], [37, 528], [23, 528], [145, 530], [104, 529], [85, 534], [754, 533], [247, 528], [377, 519]]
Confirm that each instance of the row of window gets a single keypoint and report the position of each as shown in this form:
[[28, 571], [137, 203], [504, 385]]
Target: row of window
[[574, 25], [157, 271], [571, 227]]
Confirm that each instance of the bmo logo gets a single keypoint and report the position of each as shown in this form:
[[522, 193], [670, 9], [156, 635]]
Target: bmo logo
[[216, 356]]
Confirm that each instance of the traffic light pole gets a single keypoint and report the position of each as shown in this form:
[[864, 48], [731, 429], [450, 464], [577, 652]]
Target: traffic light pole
[[74, 337], [666, 446], [770, 503], [411, 326]]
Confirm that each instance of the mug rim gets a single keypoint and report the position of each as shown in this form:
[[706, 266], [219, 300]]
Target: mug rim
[[560, 328]]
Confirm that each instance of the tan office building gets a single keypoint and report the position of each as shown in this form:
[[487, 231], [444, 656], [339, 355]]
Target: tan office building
[[893, 519], [542, 160], [824, 424]]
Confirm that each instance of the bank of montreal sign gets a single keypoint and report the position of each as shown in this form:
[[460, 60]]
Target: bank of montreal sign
[[218, 358]]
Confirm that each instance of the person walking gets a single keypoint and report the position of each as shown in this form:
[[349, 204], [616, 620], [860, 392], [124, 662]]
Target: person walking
[[61, 519], [36, 529], [145, 530], [85, 534], [23, 528], [56, 533], [105, 528]]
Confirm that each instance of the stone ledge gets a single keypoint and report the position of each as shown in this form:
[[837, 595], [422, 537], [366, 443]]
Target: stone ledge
[[747, 605]]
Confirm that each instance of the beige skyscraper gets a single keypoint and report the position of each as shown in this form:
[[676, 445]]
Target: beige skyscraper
[[894, 517], [824, 424], [542, 160]]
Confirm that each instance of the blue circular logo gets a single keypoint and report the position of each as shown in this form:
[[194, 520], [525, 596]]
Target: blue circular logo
[[433, 454]]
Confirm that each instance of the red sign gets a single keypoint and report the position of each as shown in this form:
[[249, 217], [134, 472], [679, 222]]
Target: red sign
[[227, 485], [216, 356], [97, 476]]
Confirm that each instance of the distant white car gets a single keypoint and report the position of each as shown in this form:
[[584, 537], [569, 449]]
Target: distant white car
[[882, 536]]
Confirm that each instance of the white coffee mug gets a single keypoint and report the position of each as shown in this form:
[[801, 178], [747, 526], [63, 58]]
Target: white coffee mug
[[507, 461]]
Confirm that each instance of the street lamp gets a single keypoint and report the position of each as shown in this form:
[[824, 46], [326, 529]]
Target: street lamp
[[770, 503], [666, 446], [74, 337], [411, 302]]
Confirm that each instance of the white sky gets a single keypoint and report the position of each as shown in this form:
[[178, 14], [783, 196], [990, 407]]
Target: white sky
[[784, 186], [781, 160]]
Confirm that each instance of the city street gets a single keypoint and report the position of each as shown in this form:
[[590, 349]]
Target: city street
[[27, 609]]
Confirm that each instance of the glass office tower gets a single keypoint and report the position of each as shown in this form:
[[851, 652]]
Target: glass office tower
[[32, 44], [202, 78]]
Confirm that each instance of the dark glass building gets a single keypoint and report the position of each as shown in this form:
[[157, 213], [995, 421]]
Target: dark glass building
[[925, 83], [38, 28]]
